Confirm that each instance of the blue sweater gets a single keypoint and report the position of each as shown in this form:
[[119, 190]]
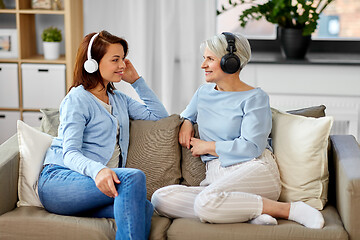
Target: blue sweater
[[239, 122], [87, 132]]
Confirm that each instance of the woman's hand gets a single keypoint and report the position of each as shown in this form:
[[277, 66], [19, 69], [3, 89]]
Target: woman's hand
[[130, 73], [185, 134], [105, 180], [201, 147]]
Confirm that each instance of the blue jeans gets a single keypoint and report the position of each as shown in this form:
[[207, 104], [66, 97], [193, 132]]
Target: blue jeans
[[66, 192]]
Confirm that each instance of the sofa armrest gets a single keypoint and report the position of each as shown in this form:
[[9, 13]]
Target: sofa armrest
[[346, 156], [9, 172]]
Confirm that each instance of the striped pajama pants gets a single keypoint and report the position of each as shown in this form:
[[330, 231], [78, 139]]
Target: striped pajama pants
[[227, 194]]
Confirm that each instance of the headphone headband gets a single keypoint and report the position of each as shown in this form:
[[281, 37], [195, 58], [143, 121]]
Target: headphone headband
[[230, 39], [90, 45], [90, 65], [230, 63]]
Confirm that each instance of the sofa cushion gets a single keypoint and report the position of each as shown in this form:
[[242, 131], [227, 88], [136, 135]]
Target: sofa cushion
[[154, 149], [50, 121], [300, 145], [183, 228], [36, 222], [32, 148], [315, 111], [192, 168], [40, 224], [159, 227]]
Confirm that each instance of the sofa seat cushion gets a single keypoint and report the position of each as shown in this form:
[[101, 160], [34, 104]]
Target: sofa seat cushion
[[36, 223], [159, 227], [193, 229]]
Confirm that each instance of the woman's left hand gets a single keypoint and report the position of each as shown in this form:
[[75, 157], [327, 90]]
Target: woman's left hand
[[201, 147], [130, 73]]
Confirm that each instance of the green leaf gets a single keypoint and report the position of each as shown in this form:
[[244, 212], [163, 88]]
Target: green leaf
[[51, 34], [301, 14]]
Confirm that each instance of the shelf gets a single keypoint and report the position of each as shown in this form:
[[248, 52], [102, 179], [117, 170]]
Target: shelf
[[40, 59], [10, 60], [10, 109], [7, 10], [31, 110], [39, 11]]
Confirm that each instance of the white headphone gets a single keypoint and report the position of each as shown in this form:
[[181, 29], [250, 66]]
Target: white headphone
[[90, 65]]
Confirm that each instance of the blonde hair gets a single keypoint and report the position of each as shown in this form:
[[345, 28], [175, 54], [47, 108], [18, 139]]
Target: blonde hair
[[218, 44]]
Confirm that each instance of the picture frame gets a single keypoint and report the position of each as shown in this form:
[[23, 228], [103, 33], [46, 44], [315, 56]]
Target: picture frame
[[8, 43]]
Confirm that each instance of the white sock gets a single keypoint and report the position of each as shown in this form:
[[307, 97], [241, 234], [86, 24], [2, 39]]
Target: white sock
[[264, 219], [304, 214]]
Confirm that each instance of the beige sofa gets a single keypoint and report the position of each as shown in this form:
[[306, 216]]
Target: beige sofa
[[166, 163]]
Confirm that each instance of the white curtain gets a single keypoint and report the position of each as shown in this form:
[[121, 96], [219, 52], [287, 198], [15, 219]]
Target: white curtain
[[164, 38]]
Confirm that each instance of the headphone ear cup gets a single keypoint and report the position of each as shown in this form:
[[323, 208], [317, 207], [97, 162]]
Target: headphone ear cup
[[230, 63], [90, 66]]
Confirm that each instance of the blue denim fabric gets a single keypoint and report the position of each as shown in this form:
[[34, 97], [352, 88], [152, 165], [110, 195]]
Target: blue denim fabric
[[66, 192]]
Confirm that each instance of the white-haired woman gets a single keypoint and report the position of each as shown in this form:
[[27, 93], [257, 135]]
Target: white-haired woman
[[234, 119]]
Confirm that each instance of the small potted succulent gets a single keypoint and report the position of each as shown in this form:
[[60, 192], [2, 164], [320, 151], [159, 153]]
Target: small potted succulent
[[51, 38]]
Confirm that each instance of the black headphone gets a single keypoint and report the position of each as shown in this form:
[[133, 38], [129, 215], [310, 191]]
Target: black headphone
[[230, 63]]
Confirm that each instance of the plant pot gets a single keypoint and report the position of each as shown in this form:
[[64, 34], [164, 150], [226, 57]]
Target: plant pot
[[293, 44], [51, 50]]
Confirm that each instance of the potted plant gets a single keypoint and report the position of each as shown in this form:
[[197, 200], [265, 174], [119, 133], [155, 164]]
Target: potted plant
[[296, 19], [51, 37]]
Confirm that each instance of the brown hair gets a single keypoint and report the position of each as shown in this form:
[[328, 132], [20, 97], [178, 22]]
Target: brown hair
[[98, 50]]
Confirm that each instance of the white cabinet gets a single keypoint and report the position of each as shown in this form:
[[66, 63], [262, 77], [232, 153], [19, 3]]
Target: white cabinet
[[309, 79], [9, 85], [43, 85], [294, 86], [32, 118], [8, 121]]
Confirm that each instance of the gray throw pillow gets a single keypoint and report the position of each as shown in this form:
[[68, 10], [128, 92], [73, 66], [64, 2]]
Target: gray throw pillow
[[316, 111], [50, 121]]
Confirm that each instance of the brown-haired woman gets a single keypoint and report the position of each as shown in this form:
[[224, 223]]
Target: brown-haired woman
[[84, 169]]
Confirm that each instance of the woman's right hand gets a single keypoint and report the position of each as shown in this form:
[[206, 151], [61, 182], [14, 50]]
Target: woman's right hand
[[186, 133], [105, 181], [130, 73]]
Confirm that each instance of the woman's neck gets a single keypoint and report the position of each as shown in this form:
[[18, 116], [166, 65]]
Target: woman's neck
[[232, 85], [100, 92]]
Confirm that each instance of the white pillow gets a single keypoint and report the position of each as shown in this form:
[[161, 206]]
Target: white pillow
[[300, 145], [32, 147]]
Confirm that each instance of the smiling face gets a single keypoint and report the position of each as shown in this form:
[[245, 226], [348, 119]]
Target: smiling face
[[112, 64], [211, 65]]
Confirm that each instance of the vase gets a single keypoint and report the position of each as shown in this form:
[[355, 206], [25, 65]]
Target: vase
[[293, 44], [51, 50]]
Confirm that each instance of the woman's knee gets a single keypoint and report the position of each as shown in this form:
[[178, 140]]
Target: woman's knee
[[207, 206], [160, 195], [131, 175], [202, 207]]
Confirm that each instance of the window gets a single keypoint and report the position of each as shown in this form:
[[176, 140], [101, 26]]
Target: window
[[338, 28]]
